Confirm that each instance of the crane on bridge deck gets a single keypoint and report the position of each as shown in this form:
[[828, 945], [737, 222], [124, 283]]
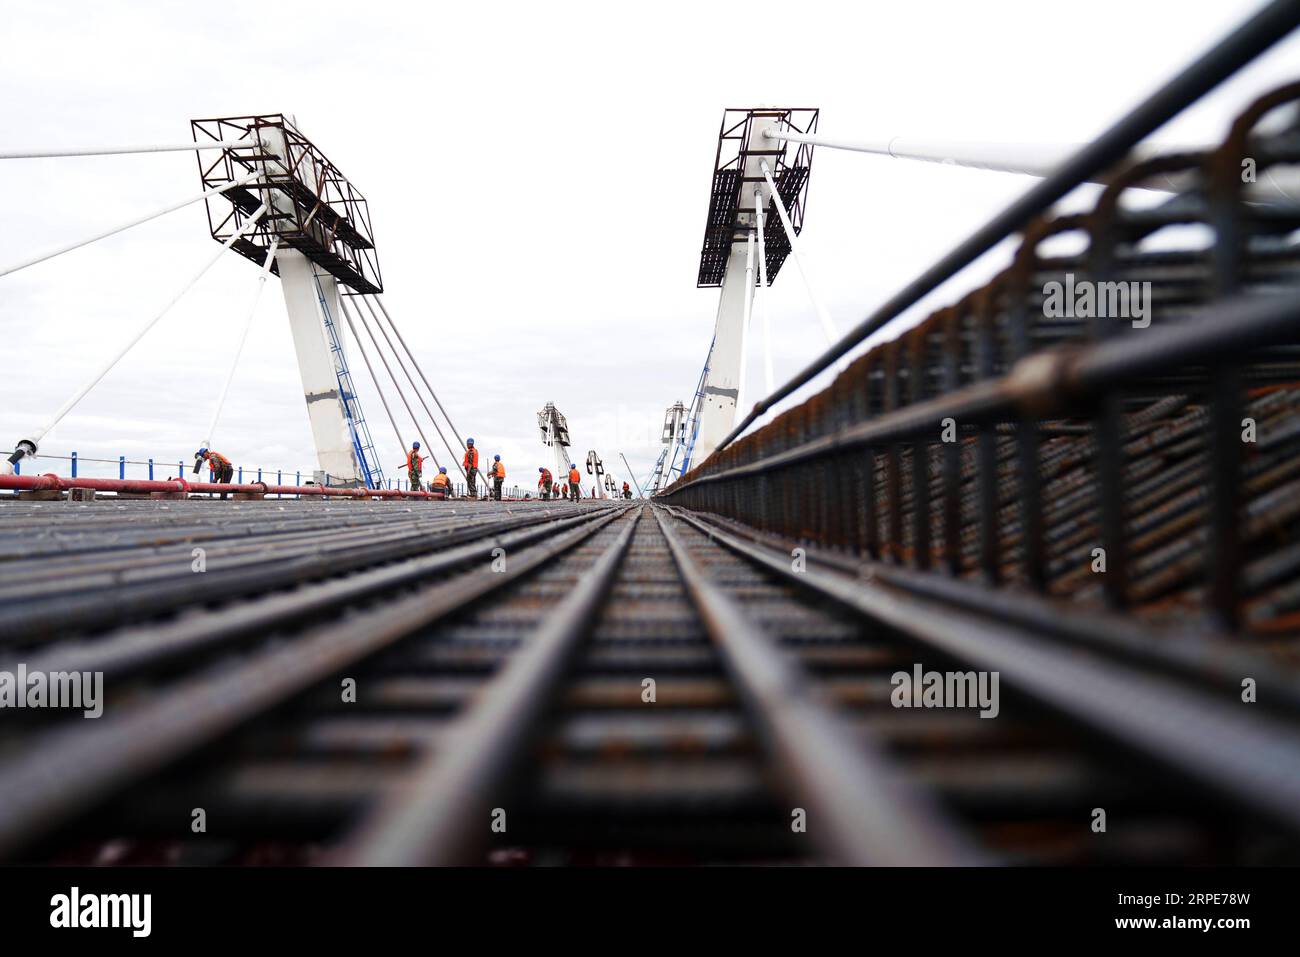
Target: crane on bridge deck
[[555, 435]]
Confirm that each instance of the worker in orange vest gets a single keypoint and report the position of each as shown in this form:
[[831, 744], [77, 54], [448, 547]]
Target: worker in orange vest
[[498, 475], [575, 482], [627, 490], [544, 483], [222, 471], [414, 466], [470, 461], [441, 483]]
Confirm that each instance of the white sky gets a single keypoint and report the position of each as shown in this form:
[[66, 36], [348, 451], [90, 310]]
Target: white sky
[[538, 178]]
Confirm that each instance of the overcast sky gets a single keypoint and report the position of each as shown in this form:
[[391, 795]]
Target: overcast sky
[[538, 177]]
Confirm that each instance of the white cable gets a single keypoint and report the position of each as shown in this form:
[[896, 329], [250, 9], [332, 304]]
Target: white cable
[[414, 388], [104, 369], [419, 430], [1279, 184], [33, 153], [51, 253], [769, 380], [347, 315], [1033, 159], [248, 325], [384, 309], [828, 327]]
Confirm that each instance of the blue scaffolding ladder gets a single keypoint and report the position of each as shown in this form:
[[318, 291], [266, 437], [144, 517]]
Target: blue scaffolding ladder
[[692, 422], [362, 445]]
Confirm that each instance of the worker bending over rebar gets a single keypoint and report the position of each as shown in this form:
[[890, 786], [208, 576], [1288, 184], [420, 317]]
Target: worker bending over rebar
[[222, 471]]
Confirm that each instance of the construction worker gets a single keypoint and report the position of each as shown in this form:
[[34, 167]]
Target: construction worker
[[470, 462], [441, 483], [414, 466], [222, 471], [575, 482], [544, 483], [498, 475], [627, 490]]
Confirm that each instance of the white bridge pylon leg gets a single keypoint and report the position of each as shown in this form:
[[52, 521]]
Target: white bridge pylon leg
[[320, 383], [721, 387]]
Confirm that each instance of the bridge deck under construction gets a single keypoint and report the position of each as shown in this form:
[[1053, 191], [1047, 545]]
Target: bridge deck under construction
[[1020, 585], [385, 682]]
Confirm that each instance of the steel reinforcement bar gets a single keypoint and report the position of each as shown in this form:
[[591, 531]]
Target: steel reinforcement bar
[[1252, 757], [612, 686], [69, 768], [1118, 426]]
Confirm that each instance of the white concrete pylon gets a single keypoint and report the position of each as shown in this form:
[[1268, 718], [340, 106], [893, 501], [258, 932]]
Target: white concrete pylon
[[326, 410], [320, 384], [720, 390]]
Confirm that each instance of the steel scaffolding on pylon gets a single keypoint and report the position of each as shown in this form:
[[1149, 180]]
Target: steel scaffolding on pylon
[[363, 445]]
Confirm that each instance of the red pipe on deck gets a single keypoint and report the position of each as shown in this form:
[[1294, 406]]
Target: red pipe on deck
[[51, 483]]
